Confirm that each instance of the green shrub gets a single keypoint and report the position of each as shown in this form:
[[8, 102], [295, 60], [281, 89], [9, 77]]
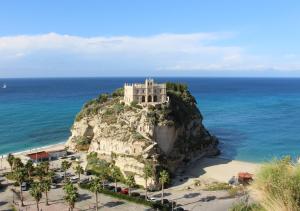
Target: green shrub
[[244, 206], [135, 104], [118, 92], [102, 98], [82, 143], [218, 186], [279, 183]]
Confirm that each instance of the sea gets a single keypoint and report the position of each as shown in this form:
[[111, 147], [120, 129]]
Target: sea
[[255, 119]]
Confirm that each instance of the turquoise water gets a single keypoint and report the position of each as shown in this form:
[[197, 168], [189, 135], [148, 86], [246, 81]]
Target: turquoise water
[[255, 119]]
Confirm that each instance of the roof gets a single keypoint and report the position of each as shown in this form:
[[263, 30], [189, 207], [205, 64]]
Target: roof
[[38, 155], [245, 175]]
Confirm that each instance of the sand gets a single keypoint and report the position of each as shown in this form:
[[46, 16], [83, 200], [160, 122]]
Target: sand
[[4, 166], [223, 169], [214, 169], [210, 169]]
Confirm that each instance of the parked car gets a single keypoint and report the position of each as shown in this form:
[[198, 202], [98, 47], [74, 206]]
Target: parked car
[[135, 194], [152, 199], [118, 189], [72, 158], [124, 191], [208, 198], [178, 209], [84, 181], [74, 179], [53, 186], [166, 201], [87, 173], [24, 186]]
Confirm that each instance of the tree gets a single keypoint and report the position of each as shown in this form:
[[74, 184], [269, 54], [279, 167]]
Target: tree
[[95, 187], [71, 195], [36, 192], [148, 172], [10, 159], [46, 166], [103, 174], [78, 170], [20, 177], [115, 174], [65, 165], [17, 163], [130, 182], [163, 179], [40, 171], [46, 186], [29, 168]]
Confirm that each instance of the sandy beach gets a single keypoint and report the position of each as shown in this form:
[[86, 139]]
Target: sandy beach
[[205, 169], [5, 166], [214, 169]]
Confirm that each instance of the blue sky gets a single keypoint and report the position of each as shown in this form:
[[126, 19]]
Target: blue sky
[[149, 38]]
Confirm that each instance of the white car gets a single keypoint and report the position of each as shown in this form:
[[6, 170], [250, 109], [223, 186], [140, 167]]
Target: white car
[[74, 179], [152, 199]]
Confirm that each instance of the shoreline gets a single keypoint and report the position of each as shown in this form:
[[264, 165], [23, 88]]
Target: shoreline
[[208, 169], [49, 147]]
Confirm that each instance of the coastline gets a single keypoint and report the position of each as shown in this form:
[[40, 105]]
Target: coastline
[[206, 169], [45, 147], [213, 169]]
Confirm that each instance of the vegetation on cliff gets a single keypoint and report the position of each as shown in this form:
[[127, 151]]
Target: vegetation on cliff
[[279, 183], [181, 109], [164, 135]]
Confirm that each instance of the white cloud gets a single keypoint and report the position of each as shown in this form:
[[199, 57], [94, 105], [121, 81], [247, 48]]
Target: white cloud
[[66, 55]]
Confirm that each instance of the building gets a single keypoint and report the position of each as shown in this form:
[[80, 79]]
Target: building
[[38, 156], [55, 154], [47, 155], [146, 93]]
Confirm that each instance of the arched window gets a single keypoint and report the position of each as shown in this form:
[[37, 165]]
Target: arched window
[[143, 98], [149, 98], [155, 98]]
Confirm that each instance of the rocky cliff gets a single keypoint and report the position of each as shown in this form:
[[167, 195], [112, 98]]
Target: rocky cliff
[[165, 135]]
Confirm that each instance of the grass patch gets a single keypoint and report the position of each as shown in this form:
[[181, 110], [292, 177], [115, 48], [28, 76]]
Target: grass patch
[[245, 206], [218, 186]]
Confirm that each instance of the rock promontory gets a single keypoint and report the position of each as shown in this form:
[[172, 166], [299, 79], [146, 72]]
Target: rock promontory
[[166, 135]]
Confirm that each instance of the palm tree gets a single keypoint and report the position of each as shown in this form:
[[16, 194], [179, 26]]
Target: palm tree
[[163, 178], [46, 185], [115, 173], [71, 195], [130, 182], [29, 168], [10, 159], [46, 166], [103, 174], [40, 171], [17, 163], [20, 177], [36, 192], [78, 170], [148, 172], [65, 165], [95, 187]]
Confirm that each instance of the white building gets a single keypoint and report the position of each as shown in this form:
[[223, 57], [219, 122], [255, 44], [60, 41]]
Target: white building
[[147, 93]]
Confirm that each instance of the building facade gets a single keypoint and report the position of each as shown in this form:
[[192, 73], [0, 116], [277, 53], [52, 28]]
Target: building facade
[[147, 93]]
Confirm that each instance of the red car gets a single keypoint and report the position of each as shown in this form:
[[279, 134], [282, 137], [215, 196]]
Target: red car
[[124, 191]]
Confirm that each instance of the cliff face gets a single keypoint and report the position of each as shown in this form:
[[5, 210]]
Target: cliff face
[[165, 135]]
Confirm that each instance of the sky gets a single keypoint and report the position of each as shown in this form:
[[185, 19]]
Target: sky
[[192, 38]]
